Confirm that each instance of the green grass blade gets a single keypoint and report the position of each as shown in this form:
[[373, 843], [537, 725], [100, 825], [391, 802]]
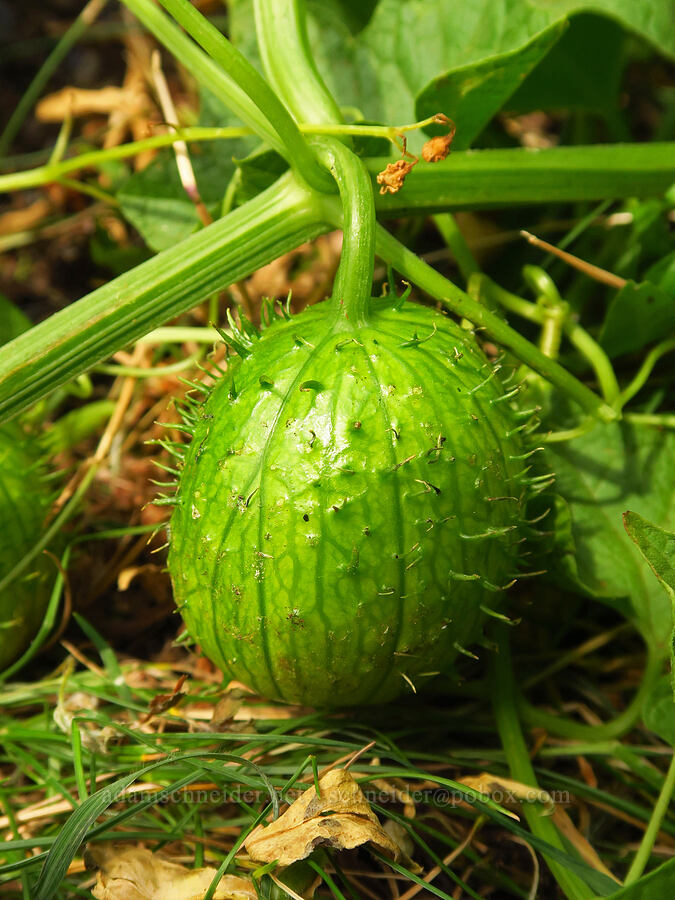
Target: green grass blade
[[108, 658], [46, 626], [513, 742], [78, 826], [47, 69]]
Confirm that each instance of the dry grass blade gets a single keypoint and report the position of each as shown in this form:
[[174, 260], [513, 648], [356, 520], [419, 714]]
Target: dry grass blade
[[587, 268]]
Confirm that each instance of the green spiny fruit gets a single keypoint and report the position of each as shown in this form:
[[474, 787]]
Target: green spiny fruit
[[350, 505], [25, 496]]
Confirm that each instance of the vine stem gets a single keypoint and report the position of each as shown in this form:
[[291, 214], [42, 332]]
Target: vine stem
[[457, 244], [53, 171], [503, 691], [90, 330], [645, 370], [57, 167], [575, 333], [298, 152], [641, 859], [431, 281], [293, 73], [227, 73], [658, 420], [568, 728], [557, 312]]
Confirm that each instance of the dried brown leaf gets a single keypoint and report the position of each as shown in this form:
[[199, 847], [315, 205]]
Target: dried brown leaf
[[160, 703], [340, 818], [135, 873], [586, 851], [506, 791]]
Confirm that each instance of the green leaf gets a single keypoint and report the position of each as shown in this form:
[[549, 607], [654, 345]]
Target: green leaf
[[574, 75], [13, 321], [638, 315], [658, 549], [649, 238], [659, 711], [258, 171], [472, 94], [108, 254], [154, 200], [656, 545], [356, 13], [643, 311], [657, 885], [414, 58], [598, 476]]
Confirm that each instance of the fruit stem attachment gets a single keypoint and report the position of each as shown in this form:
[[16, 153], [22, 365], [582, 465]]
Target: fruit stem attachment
[[354, 278], [416, 270]]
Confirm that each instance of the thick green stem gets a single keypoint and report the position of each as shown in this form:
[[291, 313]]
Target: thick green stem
[[626, 720], [353, 282], [503, 697], [478, 179], [475, 175], [417, 271], [293, 74], [92, 329]]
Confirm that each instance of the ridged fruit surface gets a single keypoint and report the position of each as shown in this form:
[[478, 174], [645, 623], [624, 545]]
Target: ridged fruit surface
[[350, 498], [24, 501]]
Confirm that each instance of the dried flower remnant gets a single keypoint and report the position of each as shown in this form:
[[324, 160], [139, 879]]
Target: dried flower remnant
[[438, 148], [392, 177]]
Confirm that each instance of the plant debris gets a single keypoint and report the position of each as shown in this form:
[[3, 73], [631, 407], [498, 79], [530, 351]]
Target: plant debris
[[339, 817], [134, 873]]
